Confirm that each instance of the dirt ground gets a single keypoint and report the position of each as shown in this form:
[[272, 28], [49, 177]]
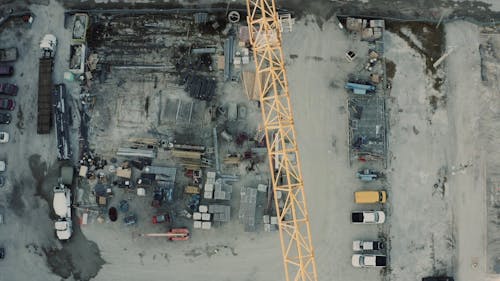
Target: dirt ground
[[442, 170]]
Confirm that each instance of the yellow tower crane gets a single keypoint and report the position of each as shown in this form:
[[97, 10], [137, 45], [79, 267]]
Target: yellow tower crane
[[284, 161]]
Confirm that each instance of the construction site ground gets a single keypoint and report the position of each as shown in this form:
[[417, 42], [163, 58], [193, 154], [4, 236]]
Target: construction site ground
[[441, 176]]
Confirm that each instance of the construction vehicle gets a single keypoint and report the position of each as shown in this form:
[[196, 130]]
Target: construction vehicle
[[286, 174], [8, 54], [175, 234], [48, 50], [62, 208]]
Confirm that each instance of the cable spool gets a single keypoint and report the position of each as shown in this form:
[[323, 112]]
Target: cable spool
[[233, 17]]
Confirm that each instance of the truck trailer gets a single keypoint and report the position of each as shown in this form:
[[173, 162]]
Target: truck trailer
[[47, 48]]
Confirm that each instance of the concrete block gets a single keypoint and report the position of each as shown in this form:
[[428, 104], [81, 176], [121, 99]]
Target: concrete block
[[266, 219], [206, 225], [203, 209], [208, 194], [197, 224], [262, 188], [274, 220], [196, 216], [209, 187]]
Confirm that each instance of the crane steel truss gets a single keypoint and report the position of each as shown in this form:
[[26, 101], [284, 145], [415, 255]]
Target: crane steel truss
[[286, 174]]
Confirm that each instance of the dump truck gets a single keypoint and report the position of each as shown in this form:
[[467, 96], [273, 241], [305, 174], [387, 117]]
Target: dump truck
[[48, 49], [8, 54], [62, 208]]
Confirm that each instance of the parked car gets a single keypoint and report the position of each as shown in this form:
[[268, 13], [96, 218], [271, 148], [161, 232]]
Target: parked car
[[5, 118], [370, 196], [368, 217], [8, 89], [6, 70], [3, 166], [360, 245], [165, 218], [2, 253], [4, 137], [2, 181], [7, 104], [130, 220], [369, 260]]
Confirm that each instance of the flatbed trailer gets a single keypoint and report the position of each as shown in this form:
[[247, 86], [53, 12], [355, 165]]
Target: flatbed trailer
[[44, 120]]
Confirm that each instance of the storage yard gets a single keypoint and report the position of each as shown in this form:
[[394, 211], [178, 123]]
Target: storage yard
[[140, 149]]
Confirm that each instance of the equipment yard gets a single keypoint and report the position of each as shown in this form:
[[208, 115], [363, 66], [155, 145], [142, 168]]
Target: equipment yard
[[138, 150]]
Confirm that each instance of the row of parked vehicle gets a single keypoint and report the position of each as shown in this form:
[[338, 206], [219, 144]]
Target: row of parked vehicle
[[7, 55], [368, 253]]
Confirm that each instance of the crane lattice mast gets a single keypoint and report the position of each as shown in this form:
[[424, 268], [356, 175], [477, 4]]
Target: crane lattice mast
[[284, 161]]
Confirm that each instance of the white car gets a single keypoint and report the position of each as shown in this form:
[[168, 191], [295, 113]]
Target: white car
[[368, 217], [369, 260], [4, 137], [3, 166], [360, 245]]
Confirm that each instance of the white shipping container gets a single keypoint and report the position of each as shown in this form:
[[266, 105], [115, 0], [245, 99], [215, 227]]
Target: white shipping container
[[205, 216], [196, 216], [206, 225], [197, 224], [211, 175]]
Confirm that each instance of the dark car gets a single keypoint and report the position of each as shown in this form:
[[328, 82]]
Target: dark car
[[5, 118], [113, 214], [7, 104], [6, 70], [2, 253], [2, 181], [442, 278], [130, 220], [8, 89]]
